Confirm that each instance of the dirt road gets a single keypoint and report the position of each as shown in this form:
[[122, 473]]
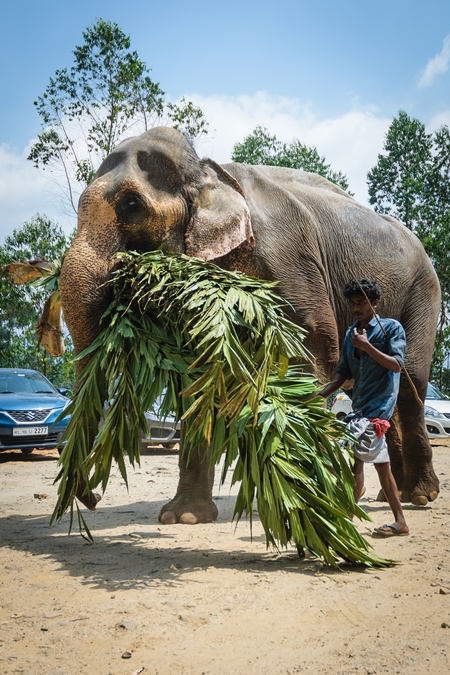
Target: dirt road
[[208, 599]]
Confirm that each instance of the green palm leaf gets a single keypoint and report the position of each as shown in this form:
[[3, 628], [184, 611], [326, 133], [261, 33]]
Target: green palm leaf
[[216, 345]]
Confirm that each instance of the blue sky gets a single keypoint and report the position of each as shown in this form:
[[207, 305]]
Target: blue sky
[[331, 74]]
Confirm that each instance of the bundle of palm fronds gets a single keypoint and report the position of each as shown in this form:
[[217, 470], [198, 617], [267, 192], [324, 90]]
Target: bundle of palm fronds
[[216, 346]]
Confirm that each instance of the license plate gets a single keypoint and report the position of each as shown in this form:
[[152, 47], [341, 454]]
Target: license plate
[[30, 431]]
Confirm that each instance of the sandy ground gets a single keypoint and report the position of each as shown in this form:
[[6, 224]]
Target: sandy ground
[[208, 599]]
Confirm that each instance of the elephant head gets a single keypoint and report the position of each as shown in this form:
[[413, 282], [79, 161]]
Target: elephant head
[[152, 191]]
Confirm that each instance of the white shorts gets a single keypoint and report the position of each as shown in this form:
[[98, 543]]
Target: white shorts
[[369, 447]]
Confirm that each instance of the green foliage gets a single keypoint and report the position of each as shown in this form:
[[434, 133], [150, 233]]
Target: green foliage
[[187, 117], [433, 220], [216, 346], [260, 147], [88, 109], [411, 182], [396, 183], [434, 230], [21, 306]]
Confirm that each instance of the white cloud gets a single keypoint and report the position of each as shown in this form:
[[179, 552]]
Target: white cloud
[[24, 191], [436, 66], [439, 120], [350, 142]]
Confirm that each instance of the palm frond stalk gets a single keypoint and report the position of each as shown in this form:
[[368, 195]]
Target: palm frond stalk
[[216, 345]]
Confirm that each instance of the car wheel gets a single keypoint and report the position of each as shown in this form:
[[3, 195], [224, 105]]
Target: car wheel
[[27, 451]]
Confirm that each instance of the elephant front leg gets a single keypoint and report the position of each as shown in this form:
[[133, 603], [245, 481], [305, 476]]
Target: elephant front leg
[[193, 501]]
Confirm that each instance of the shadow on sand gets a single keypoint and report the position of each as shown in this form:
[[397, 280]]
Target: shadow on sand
[[132, 550]]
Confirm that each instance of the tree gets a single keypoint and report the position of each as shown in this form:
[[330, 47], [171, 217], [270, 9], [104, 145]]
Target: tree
[[411, 181], [396, 183], [260, 147], [433, 228], [88, 109], [433, 219], [21, 306]]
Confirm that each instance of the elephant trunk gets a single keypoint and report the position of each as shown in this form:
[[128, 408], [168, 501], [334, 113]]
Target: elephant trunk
[[84, 297], [87, 266]]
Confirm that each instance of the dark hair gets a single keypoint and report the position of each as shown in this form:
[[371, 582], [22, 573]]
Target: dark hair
[[370, 288]]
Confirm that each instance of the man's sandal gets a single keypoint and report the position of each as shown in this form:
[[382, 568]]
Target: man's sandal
[[389, 531]]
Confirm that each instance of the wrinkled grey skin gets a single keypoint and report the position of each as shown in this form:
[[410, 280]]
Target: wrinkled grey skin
[[272, 223]]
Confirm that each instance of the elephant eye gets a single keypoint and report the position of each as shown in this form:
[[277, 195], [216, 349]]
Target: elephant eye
[[161, 171]]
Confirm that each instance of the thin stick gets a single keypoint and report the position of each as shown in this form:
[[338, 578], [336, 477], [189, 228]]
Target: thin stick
[[413, 386]]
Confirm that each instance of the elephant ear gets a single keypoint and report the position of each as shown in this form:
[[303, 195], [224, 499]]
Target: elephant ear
[[220, 218]]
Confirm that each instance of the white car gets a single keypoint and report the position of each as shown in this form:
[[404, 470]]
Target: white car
[[437, 413], [436, 409], [161, 430]]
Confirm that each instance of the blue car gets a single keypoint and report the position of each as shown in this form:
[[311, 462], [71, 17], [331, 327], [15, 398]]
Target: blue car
[[29, 407]]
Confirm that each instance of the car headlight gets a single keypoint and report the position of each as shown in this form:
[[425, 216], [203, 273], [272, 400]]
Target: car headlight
[[431, 412]]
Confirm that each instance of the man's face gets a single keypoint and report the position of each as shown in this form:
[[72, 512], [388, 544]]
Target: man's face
[[362, 310]]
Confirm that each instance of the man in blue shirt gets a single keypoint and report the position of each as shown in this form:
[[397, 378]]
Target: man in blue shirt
[[372, 355]]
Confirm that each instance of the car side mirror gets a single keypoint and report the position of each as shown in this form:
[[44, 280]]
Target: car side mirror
[[63, 391]]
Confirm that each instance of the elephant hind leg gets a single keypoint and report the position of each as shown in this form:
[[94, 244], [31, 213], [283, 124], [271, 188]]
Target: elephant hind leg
[[411, 456], [420, 484]]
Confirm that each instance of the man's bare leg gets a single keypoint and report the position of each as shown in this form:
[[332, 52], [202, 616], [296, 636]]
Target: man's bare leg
[[389, 487], [358, 472]]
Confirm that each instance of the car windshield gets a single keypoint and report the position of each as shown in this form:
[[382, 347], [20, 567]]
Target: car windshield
[[25, 383], [434, 393]]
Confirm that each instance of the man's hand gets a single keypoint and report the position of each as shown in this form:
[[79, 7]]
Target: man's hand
[[335, 384], [359, 340]]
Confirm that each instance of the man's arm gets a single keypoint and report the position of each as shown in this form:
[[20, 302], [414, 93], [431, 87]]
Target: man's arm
[[335, 384], [360, 341]]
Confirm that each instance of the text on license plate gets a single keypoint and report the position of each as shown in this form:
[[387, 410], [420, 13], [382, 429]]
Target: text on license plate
[[30, 431]]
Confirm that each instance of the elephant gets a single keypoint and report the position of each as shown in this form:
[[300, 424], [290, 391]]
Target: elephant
[[272, 223]]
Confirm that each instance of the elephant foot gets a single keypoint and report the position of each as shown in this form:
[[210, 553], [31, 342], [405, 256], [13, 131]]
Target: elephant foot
[[419, 493], [188, 511], [381, 497], [417, 496], [414, 498]]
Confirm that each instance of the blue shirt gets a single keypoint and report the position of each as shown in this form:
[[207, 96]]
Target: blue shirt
[[376, 388]]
